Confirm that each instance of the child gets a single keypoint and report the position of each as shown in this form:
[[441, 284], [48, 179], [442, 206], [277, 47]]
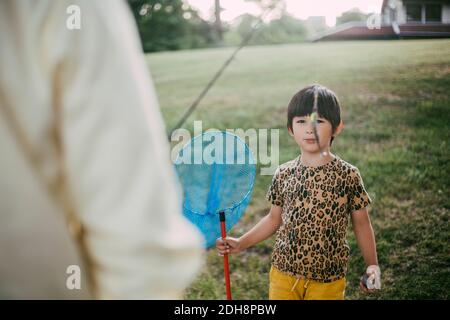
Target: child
[[312, 197]]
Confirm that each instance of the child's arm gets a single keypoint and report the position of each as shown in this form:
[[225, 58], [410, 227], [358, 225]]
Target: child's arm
[[365, 237], [261, 231]]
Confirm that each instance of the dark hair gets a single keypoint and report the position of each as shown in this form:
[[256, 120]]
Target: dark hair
[[302, 104]]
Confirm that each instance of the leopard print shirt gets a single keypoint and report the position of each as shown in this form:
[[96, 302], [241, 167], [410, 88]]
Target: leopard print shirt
[[316, 204]]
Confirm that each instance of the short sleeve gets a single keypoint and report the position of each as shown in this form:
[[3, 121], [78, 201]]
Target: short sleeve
[[358, 197], [275, 193]]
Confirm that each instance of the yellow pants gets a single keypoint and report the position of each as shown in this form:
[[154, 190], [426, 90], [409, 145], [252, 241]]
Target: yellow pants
[[286, 287]]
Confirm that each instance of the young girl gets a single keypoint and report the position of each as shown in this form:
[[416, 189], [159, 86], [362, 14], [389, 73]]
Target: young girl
[[312, 198]]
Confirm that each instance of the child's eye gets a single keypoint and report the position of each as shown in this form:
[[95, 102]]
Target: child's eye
[[301, 121], [320, 121]]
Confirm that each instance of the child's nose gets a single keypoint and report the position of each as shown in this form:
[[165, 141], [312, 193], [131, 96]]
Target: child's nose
[[310, 126]]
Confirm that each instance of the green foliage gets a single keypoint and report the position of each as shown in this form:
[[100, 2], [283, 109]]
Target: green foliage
[[266, 4], [351, 16], [285, 29], [173, 25], [170, 25]]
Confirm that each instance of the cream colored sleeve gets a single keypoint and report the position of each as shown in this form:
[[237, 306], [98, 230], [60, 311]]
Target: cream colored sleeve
[[118, 157]]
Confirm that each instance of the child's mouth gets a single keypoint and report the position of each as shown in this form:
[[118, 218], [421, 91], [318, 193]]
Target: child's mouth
[[310, 140]]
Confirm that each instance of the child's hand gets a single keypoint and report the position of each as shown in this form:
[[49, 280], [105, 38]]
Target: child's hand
[[371, 281], [229, 245]]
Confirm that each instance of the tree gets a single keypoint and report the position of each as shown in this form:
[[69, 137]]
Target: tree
[[285, 29], [267, 4], [218, 20], [169, 25], [352, 15]]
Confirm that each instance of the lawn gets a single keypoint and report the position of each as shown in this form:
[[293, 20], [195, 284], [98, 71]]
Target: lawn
[[395, 98]]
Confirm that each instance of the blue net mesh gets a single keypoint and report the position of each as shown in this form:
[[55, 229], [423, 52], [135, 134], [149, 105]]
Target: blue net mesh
[[217, 171]]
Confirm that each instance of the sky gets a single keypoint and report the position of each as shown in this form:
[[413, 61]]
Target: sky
[[301, 9]]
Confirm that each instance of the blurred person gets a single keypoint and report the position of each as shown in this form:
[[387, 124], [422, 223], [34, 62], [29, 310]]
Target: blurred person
[[83, 145]]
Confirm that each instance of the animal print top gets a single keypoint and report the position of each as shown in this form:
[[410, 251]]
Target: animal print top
[[316, 203]]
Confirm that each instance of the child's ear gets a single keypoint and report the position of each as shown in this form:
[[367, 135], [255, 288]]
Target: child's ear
[[339, 129], [291, 133]]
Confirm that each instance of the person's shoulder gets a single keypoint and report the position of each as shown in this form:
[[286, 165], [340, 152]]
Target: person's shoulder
[[286, 168], [292, 164], [347, 168]]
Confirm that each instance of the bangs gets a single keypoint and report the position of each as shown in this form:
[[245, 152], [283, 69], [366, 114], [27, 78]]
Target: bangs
[[302, 104]]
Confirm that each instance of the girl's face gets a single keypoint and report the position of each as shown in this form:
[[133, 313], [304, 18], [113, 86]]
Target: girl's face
[[303, 133]]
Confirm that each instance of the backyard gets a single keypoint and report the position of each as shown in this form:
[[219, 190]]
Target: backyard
[[395, 98]]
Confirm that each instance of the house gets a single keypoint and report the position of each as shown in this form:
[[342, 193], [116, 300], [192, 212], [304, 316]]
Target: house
[[399, 19]]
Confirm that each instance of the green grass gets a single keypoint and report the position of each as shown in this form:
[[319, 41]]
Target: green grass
[[395, 97]]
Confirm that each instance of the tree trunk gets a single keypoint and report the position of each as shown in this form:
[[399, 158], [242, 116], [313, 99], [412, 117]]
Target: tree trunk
[[218, 22]]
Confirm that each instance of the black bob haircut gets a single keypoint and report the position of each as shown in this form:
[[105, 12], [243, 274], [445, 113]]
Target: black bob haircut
[[302, 104]]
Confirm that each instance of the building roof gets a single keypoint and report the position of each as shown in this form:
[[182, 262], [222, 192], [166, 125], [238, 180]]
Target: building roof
[[359, 31]]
